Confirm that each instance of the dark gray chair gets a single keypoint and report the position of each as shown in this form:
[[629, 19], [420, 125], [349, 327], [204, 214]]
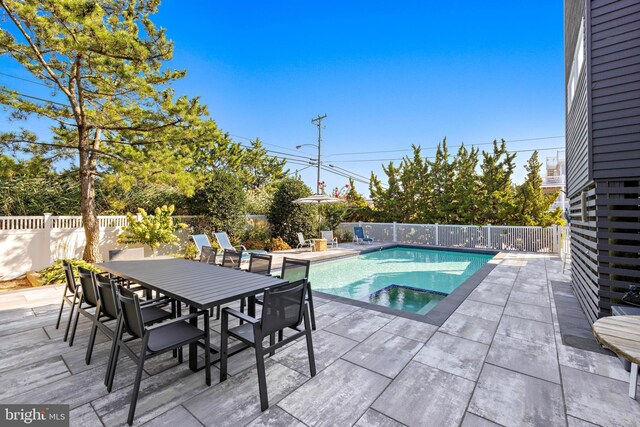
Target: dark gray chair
[[294, 270], [283, 307], [260, 263], [208, 255], [70, 296], [157, 339], [231, 259], [107, 311], [88, 300]]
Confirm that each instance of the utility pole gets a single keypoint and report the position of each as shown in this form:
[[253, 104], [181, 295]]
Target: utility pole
[[318, 122]]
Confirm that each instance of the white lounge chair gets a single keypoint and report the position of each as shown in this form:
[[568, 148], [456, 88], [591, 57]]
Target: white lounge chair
[[200, 240], [225, 244], [304, 243], [328, 236]]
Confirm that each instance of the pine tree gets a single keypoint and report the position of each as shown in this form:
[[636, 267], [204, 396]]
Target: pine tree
[[440, 181], [496, 190], [533, 204], [465, 186]]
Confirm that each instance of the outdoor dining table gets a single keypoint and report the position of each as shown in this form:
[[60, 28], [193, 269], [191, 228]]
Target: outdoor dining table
[[201, 286]]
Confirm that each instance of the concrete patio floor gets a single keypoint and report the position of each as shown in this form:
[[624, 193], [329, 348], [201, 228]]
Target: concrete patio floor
[[498, 360]]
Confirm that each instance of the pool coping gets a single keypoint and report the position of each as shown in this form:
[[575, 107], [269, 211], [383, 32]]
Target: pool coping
[[441, 312]]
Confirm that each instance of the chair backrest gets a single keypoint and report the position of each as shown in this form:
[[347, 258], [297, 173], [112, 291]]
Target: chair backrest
[[107, 293], [69, 276], [89, 292], [126, 254], [231, 258], [130, 310], [283, 307], [208, 255], [223, 241], [358, 232], [301, 239], [295, 269], [200, 240], [328, 235], [260, 263]]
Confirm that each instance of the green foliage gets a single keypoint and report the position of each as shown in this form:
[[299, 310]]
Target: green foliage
[[223, 200], [258, 201], [151, 230], [190, 251], [288, 218], [277, 244], [54, 274], [462, 190]]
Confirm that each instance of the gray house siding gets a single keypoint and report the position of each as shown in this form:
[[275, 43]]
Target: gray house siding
[[577, 151], [615, 89], [603, 152]]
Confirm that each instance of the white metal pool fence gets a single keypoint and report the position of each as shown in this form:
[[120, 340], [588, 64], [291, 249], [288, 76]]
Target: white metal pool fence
[[553, 239]]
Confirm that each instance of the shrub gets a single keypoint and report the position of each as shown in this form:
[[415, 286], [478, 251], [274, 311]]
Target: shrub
[[287, 218], [190, 251], [347, 236], [277, 244], [54, 274], [255, 244], [222, 199], [151, 230]]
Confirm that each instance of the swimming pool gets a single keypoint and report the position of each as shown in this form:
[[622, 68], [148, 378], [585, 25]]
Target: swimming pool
[[404, 278]]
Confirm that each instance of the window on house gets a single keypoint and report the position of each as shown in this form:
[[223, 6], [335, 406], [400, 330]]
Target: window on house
[[576, 66]]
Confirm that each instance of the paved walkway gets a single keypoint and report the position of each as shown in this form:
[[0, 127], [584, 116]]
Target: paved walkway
[[498, 360]]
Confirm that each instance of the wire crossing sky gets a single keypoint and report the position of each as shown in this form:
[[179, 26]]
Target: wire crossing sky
[[387, 74]]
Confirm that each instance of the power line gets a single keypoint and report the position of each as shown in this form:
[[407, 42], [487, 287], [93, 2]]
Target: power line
[[25, 80], [452, 154], [33, 97], [449, 146], [270, 144]]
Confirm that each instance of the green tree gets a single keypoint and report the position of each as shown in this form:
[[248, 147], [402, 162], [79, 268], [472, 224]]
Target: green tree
[[465, 201], [533, 204], [440, 181], [151, 230], [288, 218], [223, 201], [496, 189], [106, 60]]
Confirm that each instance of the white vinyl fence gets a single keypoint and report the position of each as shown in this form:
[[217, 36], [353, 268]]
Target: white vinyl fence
[[33, 242], [505, 238]]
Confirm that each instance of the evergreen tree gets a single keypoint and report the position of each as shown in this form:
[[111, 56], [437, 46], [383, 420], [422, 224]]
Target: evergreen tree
[[496, 190], [465, 186], [440, 181], [533, 204]]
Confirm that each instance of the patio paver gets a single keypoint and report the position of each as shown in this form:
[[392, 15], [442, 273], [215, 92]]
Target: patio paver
[[498, 359]]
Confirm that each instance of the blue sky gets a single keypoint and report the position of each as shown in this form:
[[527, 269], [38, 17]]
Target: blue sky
[[387, 74]]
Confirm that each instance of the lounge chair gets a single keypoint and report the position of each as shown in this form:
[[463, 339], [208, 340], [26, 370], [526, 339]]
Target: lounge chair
[[304, 243], [359, 236], [225, 245], [200, 240], [328, 236]]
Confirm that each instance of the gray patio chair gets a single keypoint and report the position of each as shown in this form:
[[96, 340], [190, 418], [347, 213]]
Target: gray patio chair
[[304, 243], [208, 255], [69, 296], [294, 270], [284, 307], [88, 300], [157, 339], [260, 264], [331, 240], [107, 311], [232, 258]]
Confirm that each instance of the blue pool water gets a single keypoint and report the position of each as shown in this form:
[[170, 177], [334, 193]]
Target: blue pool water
[[408, 279]]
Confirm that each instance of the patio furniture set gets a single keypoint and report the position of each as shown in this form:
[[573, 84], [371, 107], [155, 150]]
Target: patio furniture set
[[118, 303]]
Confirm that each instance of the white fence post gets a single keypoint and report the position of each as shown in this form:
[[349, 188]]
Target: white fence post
[[437, 234], [489, 236], [395, 233], [46, 247]]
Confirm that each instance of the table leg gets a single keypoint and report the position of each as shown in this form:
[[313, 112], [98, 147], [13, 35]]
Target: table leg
[[251, 306], [633, 380], [193, 347]]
